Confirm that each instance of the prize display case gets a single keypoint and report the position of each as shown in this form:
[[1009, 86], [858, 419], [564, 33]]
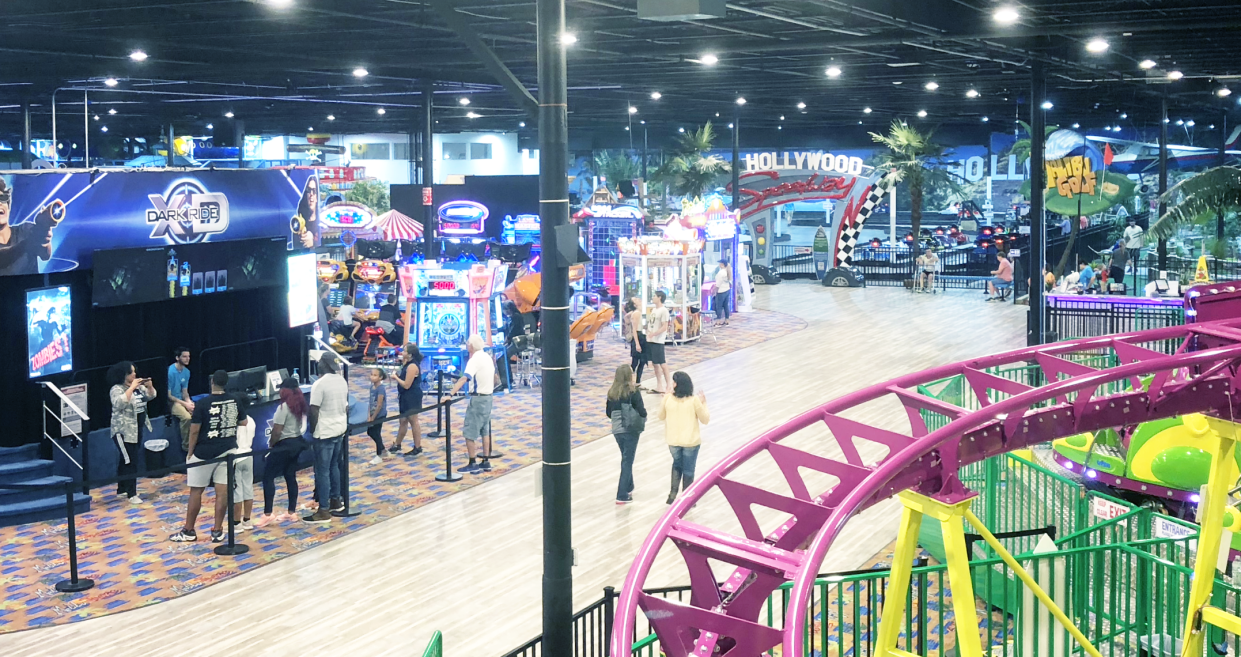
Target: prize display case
[[651, 264]]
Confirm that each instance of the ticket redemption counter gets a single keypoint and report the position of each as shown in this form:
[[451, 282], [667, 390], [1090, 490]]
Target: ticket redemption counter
[[446, 304], [650, 264]]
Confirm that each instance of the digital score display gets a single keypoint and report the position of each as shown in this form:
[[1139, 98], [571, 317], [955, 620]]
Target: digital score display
[[443, 286], [462, 218]]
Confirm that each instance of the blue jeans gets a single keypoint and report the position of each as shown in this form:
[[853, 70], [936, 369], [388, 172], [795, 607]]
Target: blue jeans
[[327, 469], [628, 443], [721, 305], [684, 459]]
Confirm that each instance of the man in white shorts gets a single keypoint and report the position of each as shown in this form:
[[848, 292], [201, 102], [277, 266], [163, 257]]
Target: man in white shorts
[[213, 434]]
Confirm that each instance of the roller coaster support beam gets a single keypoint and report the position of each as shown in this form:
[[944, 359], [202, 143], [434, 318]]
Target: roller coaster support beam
[[1211, 520]]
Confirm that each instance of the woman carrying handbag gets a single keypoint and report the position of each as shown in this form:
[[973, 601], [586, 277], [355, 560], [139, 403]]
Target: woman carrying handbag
[[628, 416]]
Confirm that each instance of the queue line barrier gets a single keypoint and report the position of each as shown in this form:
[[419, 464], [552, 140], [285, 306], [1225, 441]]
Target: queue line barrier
[[77, 584]]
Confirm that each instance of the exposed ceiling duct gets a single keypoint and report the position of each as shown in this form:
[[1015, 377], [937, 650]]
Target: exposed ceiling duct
[[681, 10]]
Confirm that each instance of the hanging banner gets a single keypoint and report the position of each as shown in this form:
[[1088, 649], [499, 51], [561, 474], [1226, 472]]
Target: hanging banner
[[52, 221]]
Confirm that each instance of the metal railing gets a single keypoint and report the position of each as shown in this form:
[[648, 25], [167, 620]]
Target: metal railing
[[1219, 269], [435, 648], [592, 627], [1092, 317], [893, 266]]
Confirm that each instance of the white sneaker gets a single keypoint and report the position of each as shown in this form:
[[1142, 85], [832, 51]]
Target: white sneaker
[[377, 460], [239, 528], [247, 525], [135, 500]]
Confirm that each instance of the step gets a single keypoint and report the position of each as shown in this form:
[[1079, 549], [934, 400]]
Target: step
[[24, 453], [22, 513], [15, 473], [14, 495]]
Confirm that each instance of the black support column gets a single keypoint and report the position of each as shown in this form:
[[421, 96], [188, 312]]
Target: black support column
[[239, 138], [737, 158], [429, 229], [1038, 230], [1220, 158], [27, 156], [554, 209], [172, 155], [1163, 178]]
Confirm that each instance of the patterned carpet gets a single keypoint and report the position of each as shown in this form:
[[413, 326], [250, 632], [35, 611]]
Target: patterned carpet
[[126, 551]]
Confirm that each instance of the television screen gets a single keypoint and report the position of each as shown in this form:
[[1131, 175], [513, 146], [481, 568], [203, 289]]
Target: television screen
[[145, 275], [303, 289], [49, 338]]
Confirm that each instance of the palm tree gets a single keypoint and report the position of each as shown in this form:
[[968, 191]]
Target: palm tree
[[1198, 200], [616, 166], [690, 172], [916, 160]]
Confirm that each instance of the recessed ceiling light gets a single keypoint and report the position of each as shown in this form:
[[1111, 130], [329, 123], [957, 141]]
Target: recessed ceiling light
[[1180, 122], [1047, 104], [680, 129], [381, 111], [709, 59], [138, 56], [1006, 15], [112, 111], [655, 95], [331, 117], [521, 125], [633, 110], [228, 115], [985, 119], [471, 115], [1175, 75], [311, 129], [210, 126], [1147, 64], [833, 71], [1124, 115], [1223, 92], [801, 106], [741, 101], [1166, 119], [922, 114], [779, 127], [781, 117], [1076, 126], [463, 101], [103, 129], [96, 117], [866, 110], [280, 4], [360, 72], [717, 115], [1097, 46], [110, 82], [932, 85], [642, 122], [568, 39], [730, 126], [627, 127], [859, 123], [897, 82], [1211, 127], [972, 93], [1189, 123]]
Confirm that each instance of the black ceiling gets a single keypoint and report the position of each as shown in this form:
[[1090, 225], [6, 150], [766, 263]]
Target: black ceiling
[[286, 69]]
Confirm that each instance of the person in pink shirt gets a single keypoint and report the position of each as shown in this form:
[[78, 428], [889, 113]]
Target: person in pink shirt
[[1003, 278]]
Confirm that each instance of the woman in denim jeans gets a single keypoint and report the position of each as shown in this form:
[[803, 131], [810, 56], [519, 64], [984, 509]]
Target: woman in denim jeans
[[682, 412], [624, 390]]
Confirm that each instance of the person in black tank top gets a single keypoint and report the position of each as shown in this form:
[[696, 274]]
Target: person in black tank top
[[409, 399]]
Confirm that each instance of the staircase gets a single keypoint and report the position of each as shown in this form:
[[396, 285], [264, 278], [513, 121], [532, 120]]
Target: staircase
[[22, 465]]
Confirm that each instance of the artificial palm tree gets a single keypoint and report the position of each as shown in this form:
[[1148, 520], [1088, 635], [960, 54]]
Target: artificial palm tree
[[691, 172], [1198, 200], [616, 166], [916, 160]]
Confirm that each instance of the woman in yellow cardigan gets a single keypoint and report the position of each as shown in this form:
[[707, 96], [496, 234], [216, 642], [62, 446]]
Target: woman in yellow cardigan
[[682, 412]]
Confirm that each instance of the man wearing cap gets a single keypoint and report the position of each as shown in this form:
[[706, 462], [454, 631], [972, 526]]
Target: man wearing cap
[[480, 374]]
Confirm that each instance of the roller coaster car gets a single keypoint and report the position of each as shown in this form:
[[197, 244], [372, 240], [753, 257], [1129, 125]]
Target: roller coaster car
[[374, 271], [1166, 458]]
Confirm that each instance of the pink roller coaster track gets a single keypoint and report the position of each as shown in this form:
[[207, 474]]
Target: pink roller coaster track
[[1195, 369]]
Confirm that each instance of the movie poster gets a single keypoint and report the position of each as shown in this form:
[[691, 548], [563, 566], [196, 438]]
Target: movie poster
[[48, 331], [53, 221]]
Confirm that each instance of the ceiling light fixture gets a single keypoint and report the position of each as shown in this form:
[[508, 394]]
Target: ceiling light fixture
[[1180, 122], [1097, 46], [521, 125], [471, 115], [1223, 92], [781, 117], [310, 129], [381, 111], [801, 106], [1006, 16], [922, 114], [1076, 126], [680, 129], [96, 117], [740, 101], [709, 59], [1124, 115], [112, 111], [568, 39], [228, 115], [1175, 75], [867, 110], [463, 101], [110, 82], [1047, 104], [138, 56], [331, 117], [633, 110], [280, 4], [985, 119], [1147, 64], [932, 85], [1189, 123], [360, 72], [972, 93], [730, 126], [103, 129], [210, 126], [655, 95], [833, 71]]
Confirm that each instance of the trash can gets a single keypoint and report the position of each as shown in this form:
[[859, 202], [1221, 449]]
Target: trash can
[[156, 455]]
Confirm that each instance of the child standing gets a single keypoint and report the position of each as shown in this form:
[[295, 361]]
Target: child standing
[[377, 410]]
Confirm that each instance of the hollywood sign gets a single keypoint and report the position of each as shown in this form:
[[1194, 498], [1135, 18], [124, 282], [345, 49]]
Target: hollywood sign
[[813, 161]]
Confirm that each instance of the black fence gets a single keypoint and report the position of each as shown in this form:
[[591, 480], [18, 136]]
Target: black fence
[[791, 260], [592, 629], [1092, 319], [1218, 269], [893, 266]]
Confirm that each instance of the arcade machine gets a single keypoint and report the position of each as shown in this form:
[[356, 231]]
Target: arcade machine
[[711, 221], [447, 303], [374, 283], [523, 229], [461, 227], [606, 222], [649, 264]]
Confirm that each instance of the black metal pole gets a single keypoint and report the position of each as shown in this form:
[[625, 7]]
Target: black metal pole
[[73, 584], [439, 406], [448, 473], [1163, 177], [554, 207], [27, 156], [1038, 231], [1220, 158], [344, 478], [431, 248], [239, 138], [736, 158], [645, 185], [230, 547], [171, 160]]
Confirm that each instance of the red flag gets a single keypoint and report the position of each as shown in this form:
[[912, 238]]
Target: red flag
[[1107, 155]]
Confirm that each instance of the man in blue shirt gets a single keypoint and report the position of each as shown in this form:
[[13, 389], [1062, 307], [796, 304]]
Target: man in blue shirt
[[1086, 276], [179, 392]]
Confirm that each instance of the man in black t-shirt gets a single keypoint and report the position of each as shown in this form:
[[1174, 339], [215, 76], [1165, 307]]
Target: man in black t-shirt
[[213, 433]]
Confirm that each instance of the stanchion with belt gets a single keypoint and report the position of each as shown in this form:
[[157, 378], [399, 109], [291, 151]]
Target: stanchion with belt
[[439, 406], [448, 475], [488, 451], [344, 479], [231, 547], [73, 584]]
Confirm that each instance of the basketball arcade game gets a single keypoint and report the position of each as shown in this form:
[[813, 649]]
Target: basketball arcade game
[[448, 302]]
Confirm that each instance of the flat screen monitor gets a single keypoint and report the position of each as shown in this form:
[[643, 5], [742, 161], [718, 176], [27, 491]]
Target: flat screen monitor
[[247, 381], [303, 289], [49, 331]]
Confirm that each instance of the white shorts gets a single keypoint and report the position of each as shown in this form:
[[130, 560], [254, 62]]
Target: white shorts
[[243, 479], [205, 475]]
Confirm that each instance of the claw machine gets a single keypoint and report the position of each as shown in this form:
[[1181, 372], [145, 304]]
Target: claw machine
[[649, 264]]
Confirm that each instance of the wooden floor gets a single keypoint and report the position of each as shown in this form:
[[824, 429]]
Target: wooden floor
[[470, 564]]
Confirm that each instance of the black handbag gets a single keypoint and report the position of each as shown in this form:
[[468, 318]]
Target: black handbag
[[627, 420]]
